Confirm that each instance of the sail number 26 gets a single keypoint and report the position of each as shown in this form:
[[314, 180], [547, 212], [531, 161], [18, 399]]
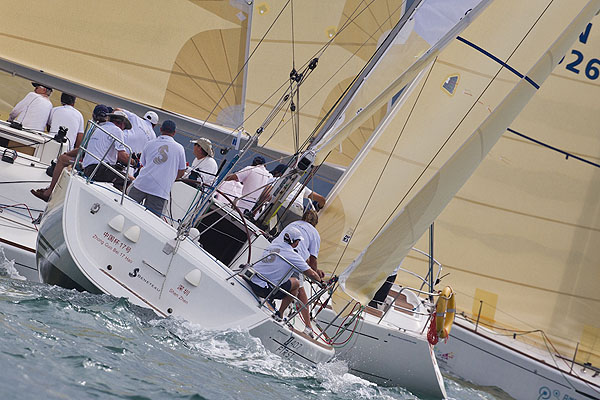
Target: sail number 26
[[591, 69]]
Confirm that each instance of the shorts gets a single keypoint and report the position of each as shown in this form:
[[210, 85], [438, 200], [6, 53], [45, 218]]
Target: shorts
[[103, 174], [263, 292]]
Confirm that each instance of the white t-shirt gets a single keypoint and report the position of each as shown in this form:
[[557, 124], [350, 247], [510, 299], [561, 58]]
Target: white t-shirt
[[100, 142], [70, 118], [299, 201], [311, 240], [206, 168], [231, 188], [274, 268], [254, 179], [141, 132], [161, 159], [32, 112]]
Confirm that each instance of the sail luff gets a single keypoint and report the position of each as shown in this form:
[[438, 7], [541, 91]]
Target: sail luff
[[381, 52], [336, 135], [397, 238]]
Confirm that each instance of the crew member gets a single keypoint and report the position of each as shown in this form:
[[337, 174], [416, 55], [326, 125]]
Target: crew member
[[163, 161], [33, 111], [275, 269], [204, 167], [254, 178], [69, 117]]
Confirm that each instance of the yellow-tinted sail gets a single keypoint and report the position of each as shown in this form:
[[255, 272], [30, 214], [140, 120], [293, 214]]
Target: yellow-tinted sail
[[180, 56]]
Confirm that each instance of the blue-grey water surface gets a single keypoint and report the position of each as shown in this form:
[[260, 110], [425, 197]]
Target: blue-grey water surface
[[62, 344]]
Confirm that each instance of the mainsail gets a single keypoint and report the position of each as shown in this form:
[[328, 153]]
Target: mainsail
[[182, 59], [520, 239], [465, 84]]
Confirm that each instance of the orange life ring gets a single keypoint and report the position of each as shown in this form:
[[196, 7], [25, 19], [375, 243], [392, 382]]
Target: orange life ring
[[445, 309]]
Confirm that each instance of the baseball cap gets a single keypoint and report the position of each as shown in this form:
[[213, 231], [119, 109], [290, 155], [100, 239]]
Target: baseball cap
[[258, 160], [168, 126], [152, 117], [292, 234], [100, 112]]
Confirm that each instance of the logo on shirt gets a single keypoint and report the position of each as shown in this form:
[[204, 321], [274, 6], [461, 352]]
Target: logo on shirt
[[162, 156]]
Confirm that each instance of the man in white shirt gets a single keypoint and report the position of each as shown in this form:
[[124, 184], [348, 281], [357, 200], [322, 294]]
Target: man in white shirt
[[99, 115], [142, 130], [287, 215], [309, 250], [275, 269], [33, 111], [69, 117], [204, 167], [254, 178], [101, 143], [163, 162]]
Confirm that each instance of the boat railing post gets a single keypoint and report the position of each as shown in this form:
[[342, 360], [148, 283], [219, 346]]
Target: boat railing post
[[574, 357], [478, 314]]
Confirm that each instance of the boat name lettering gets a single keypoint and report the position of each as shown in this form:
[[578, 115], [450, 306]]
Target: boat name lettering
[[136, 274], [115, 247], [111, 238], [285, 350], [179, 296]]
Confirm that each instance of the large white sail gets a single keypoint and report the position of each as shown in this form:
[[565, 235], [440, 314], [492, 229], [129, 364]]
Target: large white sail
[[183, 59], [465, 84], [522, 235]]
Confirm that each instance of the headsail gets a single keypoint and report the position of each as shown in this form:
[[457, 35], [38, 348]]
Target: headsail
[[522, 234], [486, 61]]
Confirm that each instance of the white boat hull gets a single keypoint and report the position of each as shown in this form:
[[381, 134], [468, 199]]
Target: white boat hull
[[78, 248], [518, 369], [388, 355]]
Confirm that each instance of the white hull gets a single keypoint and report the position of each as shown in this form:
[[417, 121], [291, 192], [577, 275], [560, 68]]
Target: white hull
[[18, 206], [78, 244], [524, 372], [392, 352]]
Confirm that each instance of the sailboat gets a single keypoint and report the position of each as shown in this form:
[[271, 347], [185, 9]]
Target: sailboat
[[455, 77], [519, 243]]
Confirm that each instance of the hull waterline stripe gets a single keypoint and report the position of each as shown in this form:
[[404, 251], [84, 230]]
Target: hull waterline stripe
[[499, 61], [17, 245]]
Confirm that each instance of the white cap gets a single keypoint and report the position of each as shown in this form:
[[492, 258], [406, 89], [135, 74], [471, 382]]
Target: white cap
[[152, 117], [292, 234]]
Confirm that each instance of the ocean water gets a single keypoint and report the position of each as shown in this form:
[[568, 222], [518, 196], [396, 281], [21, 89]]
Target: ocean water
[[62, 344]]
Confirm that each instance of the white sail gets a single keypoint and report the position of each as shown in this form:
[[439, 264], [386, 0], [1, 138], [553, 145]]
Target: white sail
[[519, 240], [475, 85]]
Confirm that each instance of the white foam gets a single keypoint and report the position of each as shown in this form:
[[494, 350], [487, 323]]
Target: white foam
[[7, 267]]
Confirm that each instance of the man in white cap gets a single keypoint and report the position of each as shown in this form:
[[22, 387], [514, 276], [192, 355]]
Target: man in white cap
[[100, 143], [142, 130], [275, 269], [204, 167], [33, 111], [163, 161]]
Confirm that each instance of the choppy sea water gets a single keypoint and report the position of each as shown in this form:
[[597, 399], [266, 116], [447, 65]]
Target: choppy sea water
[[62, 344]]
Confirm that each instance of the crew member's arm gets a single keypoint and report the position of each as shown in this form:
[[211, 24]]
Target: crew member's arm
[[180, 173], [123, 156], [312, 274], [232, 177], [318, 198]]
